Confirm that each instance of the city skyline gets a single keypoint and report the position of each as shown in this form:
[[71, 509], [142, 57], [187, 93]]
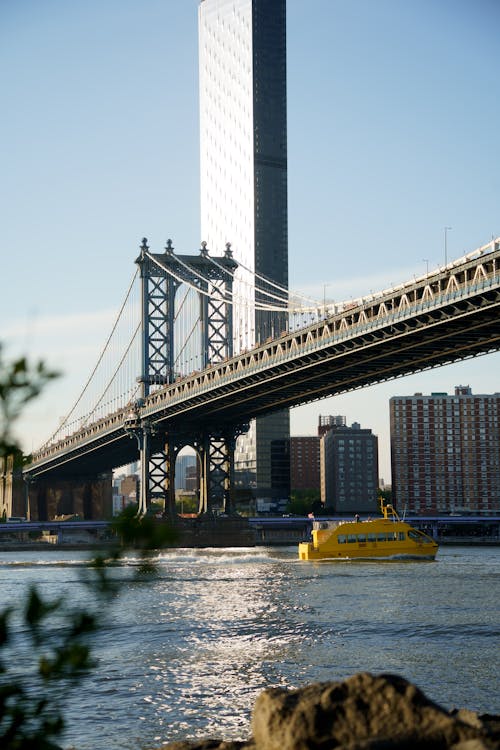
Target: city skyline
[[392, 137]]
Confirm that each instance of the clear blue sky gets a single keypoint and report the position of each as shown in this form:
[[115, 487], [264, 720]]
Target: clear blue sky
[[394, 133]]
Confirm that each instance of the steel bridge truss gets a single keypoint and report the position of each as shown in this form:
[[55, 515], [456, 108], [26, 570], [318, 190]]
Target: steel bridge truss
[[161, 277], [439, 319], [443, 317]]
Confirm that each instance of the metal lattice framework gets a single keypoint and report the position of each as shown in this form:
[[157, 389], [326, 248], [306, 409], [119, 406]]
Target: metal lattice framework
[[217, 310], [215, 448], [445, 316], [157, 297], [161, 277]]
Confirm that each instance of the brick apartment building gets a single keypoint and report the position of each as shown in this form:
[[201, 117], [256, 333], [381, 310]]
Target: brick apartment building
[[445, 452]]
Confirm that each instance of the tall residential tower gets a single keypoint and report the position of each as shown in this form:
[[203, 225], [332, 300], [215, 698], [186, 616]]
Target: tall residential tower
[[445, 452], [243, 161]]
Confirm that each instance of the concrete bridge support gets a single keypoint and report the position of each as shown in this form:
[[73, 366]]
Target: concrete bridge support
[[13, 488], [6, 470], [90, 498]]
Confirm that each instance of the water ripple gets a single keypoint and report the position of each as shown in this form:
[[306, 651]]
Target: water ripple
[[183, 655]]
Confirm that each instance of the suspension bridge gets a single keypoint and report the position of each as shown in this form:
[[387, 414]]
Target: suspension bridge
[[169, 374]]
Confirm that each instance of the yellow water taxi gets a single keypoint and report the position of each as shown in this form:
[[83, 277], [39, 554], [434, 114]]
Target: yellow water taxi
[[385, 538]]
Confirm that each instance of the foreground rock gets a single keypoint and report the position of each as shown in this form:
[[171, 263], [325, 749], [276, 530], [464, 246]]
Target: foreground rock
[[366, 712]]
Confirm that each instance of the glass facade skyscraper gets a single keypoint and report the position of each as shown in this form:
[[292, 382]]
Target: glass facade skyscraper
[[243, 181]]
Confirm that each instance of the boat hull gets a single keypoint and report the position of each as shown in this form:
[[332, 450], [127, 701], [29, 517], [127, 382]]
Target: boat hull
[[308, 552]]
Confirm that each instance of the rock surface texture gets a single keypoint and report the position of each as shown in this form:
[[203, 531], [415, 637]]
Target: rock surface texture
[[365, 712]]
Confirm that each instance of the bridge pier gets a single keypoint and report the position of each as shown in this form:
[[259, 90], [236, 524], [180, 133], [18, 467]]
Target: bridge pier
[[157, 457], [172, 448], [88, 497], [158, 454], [215, 462], [13, 501], [215, 449]]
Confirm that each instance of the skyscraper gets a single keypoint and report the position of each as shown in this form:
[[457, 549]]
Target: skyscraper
[[445, 452], [349, 458], [243, 181]]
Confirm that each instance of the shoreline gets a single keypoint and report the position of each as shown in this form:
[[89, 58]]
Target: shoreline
[[89, 547], [364, 712]]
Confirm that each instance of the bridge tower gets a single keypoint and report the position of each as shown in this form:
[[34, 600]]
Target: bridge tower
[[161, 277]]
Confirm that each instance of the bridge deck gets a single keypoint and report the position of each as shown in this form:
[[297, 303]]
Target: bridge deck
[[443, 317]]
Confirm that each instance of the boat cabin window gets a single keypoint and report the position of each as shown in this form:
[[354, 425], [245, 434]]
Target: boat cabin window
[[381, 536], [324, 525], [387, 536], [417, 536]]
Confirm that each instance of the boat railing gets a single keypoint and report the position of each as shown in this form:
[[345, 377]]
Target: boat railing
[[388, 511]]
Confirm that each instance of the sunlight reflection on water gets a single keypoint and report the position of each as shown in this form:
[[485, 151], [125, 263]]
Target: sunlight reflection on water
[[185, 654]]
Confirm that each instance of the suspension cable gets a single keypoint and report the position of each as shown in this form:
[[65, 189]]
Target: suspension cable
[[183, 302], [230, 273], [103, 351], [186, 342], [270, 282], [227, 294], [115, 373], [265, 292]]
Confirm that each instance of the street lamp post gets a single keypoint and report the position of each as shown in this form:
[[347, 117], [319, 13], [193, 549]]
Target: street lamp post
[[324, 300], [446, 229]]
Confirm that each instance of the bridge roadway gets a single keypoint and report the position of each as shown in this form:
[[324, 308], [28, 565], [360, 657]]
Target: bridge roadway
[[442, 317]]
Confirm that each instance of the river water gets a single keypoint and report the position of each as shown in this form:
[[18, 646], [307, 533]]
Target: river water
[[184, 654]]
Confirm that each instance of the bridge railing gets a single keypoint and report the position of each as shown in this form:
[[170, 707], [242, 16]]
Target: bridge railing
[[195, 384], [475, 273]]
